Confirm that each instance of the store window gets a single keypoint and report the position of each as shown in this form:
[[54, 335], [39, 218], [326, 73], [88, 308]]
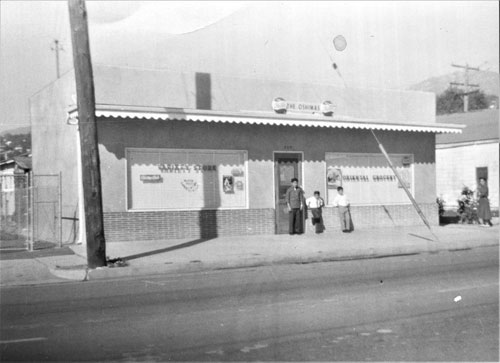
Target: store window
[[186, 179], [367, 179]]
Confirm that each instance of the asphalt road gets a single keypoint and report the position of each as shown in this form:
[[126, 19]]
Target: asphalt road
[[426, 307]]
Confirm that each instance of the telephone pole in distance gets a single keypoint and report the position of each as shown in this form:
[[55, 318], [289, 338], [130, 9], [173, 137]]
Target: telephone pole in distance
[[466, 83], [57, 47]]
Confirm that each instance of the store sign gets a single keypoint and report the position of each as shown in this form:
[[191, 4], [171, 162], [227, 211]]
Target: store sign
[[303, 107], [151, 178], [280, 105], [190, 185], [186, 179], [327, 108], [186, 168], [367, 178]]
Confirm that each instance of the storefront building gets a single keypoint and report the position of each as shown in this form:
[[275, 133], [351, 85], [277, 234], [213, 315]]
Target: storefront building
[[198, 156]]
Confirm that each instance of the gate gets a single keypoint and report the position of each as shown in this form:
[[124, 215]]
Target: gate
[[46, 211], [30, 211]]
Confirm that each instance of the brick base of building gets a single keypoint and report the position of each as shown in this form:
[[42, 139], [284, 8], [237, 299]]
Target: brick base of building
[[130, 226], [136, 226], [383, 216]]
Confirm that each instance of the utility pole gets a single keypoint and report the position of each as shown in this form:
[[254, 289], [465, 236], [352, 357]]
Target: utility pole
[[56, 47], [91, 175], [466, 84]]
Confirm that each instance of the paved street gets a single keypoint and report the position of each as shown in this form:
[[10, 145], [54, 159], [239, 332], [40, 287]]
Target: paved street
[[433, 306]]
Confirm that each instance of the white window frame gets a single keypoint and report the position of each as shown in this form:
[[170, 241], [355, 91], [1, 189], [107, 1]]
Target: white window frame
[[216, 151], [412, 170]]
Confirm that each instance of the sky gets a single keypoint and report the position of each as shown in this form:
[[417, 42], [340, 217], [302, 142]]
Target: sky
[[389, 44]]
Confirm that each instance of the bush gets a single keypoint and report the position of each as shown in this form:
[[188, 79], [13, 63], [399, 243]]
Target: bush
[[467, 207], [440, 203]]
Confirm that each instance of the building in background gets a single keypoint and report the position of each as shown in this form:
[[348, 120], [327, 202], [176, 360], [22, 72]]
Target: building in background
[[197, 155], [14, 194], [461, 159]]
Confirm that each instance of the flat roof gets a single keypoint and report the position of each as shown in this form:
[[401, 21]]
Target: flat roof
[[480, 125]]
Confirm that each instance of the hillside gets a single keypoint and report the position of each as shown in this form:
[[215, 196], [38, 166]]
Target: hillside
[[488, 82], [13, 143], [14, 131]]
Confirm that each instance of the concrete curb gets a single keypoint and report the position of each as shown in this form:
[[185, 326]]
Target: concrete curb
[[76, 275]]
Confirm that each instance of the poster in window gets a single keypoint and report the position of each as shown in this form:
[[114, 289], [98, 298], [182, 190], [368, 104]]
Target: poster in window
[[404, 173], [333, 177], [228, 184], [239, 185], [287, 172]]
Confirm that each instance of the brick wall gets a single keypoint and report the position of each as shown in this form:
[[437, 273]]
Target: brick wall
[[130, 226], [379, 215]]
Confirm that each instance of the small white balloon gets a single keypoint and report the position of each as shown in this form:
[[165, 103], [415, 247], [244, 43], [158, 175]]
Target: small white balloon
[[339, 43]]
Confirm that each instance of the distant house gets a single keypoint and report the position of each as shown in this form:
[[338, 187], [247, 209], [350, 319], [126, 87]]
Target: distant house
[[7, 188], [10, 183], [461, 159], [23, 164]]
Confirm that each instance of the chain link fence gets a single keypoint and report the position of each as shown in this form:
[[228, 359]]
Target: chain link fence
[[14, 211], [30, 211]]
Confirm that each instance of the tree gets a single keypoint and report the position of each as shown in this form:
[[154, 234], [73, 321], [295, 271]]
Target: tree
[[452, 101], [478, 101]]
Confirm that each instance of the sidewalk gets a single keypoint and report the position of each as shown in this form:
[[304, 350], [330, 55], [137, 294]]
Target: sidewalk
[[188, 255]]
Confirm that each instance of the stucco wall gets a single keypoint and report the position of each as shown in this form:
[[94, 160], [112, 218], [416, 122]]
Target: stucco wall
[[160, 88], [456, 168], [260, 141], [54, 145]]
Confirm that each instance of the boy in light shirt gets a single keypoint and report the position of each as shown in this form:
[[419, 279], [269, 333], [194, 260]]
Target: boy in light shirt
[[315, 205], [343, 204]]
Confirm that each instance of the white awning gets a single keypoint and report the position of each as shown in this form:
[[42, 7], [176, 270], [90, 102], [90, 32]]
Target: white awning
[[264, 118]]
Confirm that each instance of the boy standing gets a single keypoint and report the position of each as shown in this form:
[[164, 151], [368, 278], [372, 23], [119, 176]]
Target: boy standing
[[343, 204], [315, 203], [295, 203]]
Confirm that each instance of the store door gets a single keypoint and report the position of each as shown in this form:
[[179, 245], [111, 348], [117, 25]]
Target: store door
[[481, 173], [286, 167]]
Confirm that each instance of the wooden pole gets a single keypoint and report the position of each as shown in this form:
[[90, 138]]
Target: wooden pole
[[32, 212], [91, 175], [59, 193], [413, 201]]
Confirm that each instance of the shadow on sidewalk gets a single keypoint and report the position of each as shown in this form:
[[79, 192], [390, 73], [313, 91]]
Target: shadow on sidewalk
[[168, 249], [418, 236], [44, 252]]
